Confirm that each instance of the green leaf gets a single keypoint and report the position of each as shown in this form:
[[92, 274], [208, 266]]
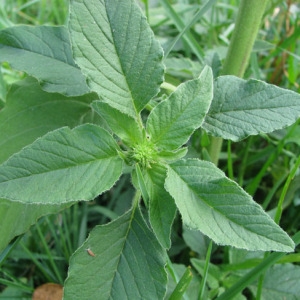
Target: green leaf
[[212, 203], [182, 285], [139, 178], [171, 122], [62, 166], [3, 90], [128, 263], [281, 282], [214, 272], [119, 123], [30, 113], [241, 108], [16, 218], [177, 271], [43, 52], [116, 50], [162, 208], [171, 156]]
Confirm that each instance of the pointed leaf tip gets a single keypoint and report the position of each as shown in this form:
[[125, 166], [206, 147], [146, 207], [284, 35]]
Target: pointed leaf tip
[[210, 202], [62, 166]]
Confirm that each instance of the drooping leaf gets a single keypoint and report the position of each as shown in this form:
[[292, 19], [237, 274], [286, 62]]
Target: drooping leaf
[[62, 166], [212, 203], [128, 263], [241, 108], [43, 52], [281, 282], [16, 218], [121, 124], [116, 50], [30, 113], [171, 122], [162, 208]]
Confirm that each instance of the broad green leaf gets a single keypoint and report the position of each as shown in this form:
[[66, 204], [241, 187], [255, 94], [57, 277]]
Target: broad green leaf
[[171, 122], [241, 108], [30, 113], [62, 166], [119, 123], [281, 282], [128, 263], [212, 203], [162, 208], [16, 218], [43, 52], [116, 50]]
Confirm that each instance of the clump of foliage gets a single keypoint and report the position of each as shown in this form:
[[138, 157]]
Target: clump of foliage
[[107, 62]]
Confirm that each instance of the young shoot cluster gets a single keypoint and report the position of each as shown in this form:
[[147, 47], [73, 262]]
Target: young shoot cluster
[[144, 154]]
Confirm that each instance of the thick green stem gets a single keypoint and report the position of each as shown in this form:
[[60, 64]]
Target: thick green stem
[[246, 28]]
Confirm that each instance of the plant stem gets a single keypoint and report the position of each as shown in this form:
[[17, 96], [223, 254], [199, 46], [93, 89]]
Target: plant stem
[[246, 28], [285, 189]]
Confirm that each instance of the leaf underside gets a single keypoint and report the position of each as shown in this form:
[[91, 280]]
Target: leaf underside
[[43, 52]]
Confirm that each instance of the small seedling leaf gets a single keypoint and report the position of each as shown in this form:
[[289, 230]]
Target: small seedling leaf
[[171, 122], [119, 123]]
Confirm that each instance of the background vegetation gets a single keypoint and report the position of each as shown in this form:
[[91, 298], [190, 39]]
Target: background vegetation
[[260, 164]]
